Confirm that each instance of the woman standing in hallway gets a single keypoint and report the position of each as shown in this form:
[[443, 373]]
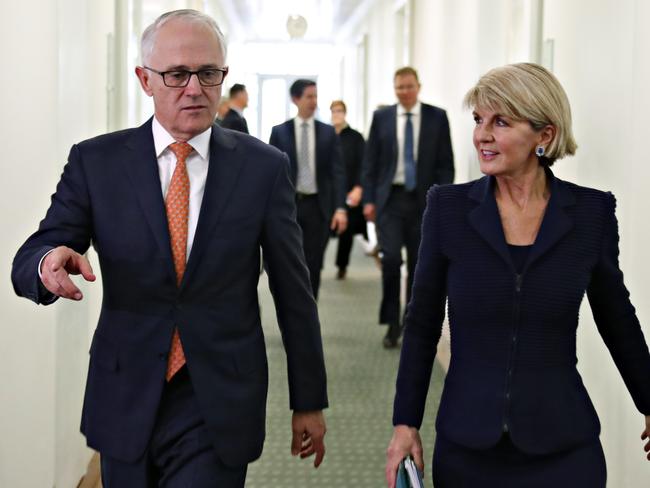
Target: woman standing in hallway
[[352, 144], [513, 253]]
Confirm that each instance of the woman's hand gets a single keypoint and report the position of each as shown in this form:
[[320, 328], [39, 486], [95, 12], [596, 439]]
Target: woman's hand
[[645, 436], [405, 441]]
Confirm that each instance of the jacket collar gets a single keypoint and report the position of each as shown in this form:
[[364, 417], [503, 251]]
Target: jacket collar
[[486, 221], [223, 172], [142, 168]]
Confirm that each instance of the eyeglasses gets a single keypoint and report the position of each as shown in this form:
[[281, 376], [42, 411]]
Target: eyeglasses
[[180, 78]]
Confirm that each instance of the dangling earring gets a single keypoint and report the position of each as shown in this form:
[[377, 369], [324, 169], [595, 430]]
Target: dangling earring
[[539, 151]]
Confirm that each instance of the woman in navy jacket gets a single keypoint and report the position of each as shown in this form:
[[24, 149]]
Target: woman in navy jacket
[[514, 254]]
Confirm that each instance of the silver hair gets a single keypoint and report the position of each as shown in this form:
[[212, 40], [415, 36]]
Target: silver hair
[[149, 35]]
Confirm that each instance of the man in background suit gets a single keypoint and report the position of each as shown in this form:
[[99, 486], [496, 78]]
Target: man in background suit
[[234, 118], [317, 172], [408, 150], [177, 211], [222, 109]]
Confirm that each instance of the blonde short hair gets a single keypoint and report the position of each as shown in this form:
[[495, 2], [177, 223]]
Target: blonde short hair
[[528, 92]]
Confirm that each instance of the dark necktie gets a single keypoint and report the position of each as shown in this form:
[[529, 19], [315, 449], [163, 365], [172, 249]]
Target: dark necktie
[[409, 157]]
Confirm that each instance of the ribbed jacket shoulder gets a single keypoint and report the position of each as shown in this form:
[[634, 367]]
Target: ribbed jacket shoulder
[[513, 335]]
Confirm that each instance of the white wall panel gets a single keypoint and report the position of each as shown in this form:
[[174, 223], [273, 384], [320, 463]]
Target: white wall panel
[[55, 96], [600, 55]]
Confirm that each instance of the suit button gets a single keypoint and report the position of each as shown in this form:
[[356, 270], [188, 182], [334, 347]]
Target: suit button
[[162, 356]]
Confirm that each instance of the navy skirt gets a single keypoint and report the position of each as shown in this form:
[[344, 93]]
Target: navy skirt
[[505, 466]]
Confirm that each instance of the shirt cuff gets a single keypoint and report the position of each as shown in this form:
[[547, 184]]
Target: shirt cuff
[[40, 263]]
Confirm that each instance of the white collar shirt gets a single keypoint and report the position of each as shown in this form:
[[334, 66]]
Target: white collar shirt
[[416, 119], [197, 170]]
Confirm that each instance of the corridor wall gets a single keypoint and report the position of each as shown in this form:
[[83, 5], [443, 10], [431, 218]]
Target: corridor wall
[[54, 95], [600, 55], [27, 393]]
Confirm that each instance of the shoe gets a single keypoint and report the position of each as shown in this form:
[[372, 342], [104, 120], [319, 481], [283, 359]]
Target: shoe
[[391, 338], [340, 274]]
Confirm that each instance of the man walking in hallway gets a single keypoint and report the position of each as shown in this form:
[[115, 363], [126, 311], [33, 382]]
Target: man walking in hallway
[[177, 211], [234, 118], [317, 172], [408, 150]]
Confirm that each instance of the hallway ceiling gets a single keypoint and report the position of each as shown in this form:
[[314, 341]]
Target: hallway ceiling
[[266, 20]]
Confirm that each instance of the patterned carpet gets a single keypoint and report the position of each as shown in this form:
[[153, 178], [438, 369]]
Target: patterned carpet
[[361, 377]]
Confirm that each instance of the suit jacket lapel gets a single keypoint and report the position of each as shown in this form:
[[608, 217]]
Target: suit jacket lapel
[[555, 224], [223, 170], [392, 127], [141, 166], [319, 149], [426, 130], [485, 218], [293, 155]]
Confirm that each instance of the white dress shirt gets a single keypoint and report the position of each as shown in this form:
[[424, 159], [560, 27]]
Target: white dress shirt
[[311, 137], [416, 120], [197, 170]]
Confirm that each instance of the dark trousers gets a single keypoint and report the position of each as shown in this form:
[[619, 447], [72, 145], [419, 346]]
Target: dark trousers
[[356, 225], [397, 226], [505, 466], [180, 454], [315, 234]]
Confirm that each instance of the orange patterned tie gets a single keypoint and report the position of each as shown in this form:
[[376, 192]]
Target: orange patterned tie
[[177, 204]]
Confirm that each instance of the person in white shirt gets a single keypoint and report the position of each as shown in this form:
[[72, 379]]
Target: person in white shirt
[[408, 150], [177, 211], [317, 172]]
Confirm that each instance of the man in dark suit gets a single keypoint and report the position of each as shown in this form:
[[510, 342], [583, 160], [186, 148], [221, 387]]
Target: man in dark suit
[[317, 172], [234, 118], [177, 211], [408, 150], [222, 110]]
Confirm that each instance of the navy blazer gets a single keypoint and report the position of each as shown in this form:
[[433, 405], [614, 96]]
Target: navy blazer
[[234, 121], [435, 158], [330, 170], [110, 195], [513, 336]]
